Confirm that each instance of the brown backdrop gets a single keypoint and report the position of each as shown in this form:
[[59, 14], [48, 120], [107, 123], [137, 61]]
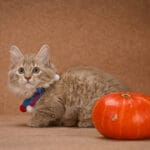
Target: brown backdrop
[[112, 35]]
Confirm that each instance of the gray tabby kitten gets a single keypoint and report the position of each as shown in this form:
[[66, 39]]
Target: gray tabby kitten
[[67, 101]]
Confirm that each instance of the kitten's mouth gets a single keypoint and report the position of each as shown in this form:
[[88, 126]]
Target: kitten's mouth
[[29, 85], [28, 82]]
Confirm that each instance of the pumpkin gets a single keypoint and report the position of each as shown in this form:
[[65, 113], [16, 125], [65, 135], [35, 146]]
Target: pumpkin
[[123, 115]]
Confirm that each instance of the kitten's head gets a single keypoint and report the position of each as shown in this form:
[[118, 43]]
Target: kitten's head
[[27, 72]]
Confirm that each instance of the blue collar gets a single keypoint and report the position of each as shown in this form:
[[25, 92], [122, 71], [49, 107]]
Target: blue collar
[[32, 100]]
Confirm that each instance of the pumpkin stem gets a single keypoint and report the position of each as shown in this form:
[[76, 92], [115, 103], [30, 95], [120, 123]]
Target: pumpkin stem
[[126, 95]]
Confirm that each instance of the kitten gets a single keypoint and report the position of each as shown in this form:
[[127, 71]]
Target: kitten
[[67, 102]]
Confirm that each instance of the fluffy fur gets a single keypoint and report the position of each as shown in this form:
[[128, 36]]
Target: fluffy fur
[[67, 102]]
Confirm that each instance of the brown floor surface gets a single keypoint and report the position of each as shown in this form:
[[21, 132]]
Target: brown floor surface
[[15, 135]]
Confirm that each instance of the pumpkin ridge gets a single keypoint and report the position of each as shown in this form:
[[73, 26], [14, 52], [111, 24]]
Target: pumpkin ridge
[[102, 120], [122, 115], [138, 125], [145, 100]]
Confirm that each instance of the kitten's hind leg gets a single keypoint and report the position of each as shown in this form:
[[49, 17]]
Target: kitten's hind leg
[[85, 118], [45, 116], [70, 117]]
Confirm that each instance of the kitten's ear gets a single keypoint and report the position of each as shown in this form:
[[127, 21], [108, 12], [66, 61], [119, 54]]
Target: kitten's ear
[[15, 54], [43, 55]]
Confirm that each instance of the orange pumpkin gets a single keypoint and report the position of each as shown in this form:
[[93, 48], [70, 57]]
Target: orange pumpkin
[[123, 115]]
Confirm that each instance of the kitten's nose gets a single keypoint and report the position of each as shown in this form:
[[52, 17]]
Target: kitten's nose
[[27, 78]]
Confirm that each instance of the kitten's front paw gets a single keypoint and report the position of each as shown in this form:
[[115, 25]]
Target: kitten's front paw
[[36, 124], [33, 124]]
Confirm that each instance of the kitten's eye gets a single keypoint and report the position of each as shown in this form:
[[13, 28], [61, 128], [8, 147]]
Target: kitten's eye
[[21, 70], [36, 70]]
